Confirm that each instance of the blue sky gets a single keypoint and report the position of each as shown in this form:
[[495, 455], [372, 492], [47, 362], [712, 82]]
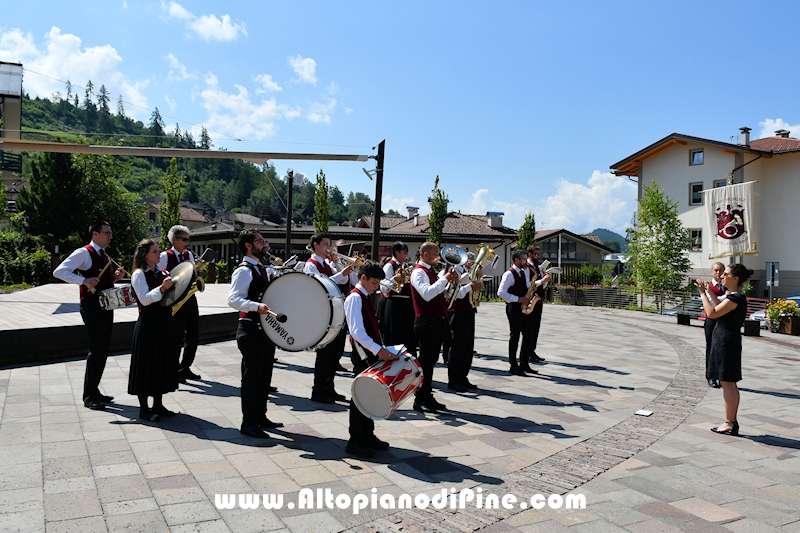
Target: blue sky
[[515, 105]]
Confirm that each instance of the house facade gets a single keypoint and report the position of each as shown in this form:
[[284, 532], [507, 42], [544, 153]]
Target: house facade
[[684, 166]]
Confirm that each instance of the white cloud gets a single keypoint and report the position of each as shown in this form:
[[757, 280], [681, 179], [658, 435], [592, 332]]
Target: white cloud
[[607, 201], [64, 58], [237, 115], [209, 27], [333, 88], [170, 102], [348, 110], [267, 84], [305, 68], [398, 204], [177, 70], [770, 126], [321, 112]]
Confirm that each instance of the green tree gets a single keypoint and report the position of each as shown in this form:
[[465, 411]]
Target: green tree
[[527, 232], [170, 212], [104, 123], [321, 211], [438, 214], [359, 204], [3, 201], [614, 245], [205, 139], [156, 126], [338, 211], [120, 107], [659, 245]]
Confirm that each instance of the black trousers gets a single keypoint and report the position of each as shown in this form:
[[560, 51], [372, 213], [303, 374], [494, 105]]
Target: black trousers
[[462, 332], [187, 327], [326, 363], [99, 324], [362, 427], [397, 323], [708, 329], [428, 330], [535, 324], [258, 359], [519, 324]]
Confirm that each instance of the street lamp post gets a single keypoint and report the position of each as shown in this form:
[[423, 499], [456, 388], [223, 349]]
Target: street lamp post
[[289, 184], [376, 217]]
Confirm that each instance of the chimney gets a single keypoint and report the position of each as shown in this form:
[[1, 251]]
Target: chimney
[[495, 219], [412, 212], [745, 136], [782, 133], [416, 220]]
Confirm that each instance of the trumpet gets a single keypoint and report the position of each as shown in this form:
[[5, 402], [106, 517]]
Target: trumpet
[[397, 286], [349, 261]]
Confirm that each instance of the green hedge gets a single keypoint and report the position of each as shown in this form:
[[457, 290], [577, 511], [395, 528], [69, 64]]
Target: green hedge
[[23, 259]]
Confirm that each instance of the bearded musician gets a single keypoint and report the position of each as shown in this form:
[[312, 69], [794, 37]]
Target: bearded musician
[[541, 279], [248, 282]]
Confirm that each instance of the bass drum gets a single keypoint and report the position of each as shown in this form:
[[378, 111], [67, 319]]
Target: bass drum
[[314, 309]]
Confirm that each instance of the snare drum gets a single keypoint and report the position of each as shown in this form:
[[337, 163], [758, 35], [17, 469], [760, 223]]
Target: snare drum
[[381, 388], [314, 309], [116, 297]]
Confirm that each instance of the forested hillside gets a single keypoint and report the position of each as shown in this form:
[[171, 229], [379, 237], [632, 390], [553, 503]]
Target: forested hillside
[[235, 185]]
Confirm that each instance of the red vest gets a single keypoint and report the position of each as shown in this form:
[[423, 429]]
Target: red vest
[[324, 268], [518, 288], [172, 258], [257, 287], [106, 281], [368, 316], [154, 279], [437, 306], [406, 290], [718, 290]]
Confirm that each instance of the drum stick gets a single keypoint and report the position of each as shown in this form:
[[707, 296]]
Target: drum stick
[[119, 266], [280, 317], [101, 274]]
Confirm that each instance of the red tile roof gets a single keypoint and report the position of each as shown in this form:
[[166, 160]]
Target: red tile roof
[[188, 214], [456, 224], [776, 144]]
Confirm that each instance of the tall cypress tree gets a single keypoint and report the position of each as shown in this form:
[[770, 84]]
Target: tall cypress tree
[[436, 218], [321, 209], [527, 232]]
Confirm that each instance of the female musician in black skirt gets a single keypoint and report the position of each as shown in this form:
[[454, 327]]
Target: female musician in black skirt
[[725, 361], [154, 355]]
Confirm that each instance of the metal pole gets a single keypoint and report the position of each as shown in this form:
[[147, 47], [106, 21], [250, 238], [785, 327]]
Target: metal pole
[[290, 184], [376, 217]]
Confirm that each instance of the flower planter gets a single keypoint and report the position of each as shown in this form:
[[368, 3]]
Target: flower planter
[[789, 325]]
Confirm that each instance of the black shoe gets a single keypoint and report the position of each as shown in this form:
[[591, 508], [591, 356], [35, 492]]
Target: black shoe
[[439, 405], [375, 443], [188, 374], [458, 387], [529, 370], [733, 431], [340, 368], [163, 411], [470, 386], [321, 398], [269, 424], [359, 450], [336, 396], [150, 416], [102, 398], [537, 359], [254, 431], [273, 389], [94, 405], [428, 404], [516, 371]]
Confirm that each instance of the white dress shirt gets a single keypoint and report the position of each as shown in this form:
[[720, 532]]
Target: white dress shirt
[[420, 282], [162, 262], [355, 322], [311, 268], [240, 286], [387, 282], [80, 259], [144, 295], [465, 289], [507, 281]]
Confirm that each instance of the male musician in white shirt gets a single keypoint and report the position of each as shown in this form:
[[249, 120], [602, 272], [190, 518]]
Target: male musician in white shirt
[[513, 289], [461, 319], [718, 289], [395, 310], [366, 351], [328, 357], [84, 267], [542, 278], [430, 311], [187, 319], [249, 280]]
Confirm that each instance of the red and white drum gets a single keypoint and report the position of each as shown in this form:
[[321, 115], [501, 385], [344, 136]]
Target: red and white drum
[[117, 297], [381, 388]]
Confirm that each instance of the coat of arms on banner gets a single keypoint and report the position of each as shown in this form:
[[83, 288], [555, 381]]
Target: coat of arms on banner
[[731, 220]]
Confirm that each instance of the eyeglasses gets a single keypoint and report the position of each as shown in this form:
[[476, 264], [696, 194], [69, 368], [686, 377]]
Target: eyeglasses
[[184, 239], [260, 241], [109, 233]]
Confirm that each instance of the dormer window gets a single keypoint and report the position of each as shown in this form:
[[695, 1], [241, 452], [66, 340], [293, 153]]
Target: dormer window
[[695, 157]]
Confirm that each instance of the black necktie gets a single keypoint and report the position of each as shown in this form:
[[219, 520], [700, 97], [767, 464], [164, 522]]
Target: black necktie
[[101, 253]]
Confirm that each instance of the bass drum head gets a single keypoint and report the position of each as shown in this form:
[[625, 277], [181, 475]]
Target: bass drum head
[[371, 397], [307, 304]]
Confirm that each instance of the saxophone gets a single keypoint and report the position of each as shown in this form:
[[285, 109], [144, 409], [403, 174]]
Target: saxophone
[[476, 272], [530, 295]]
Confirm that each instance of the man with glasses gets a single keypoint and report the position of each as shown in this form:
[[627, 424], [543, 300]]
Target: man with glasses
[[536, 315], [89, 267], [187, 319]]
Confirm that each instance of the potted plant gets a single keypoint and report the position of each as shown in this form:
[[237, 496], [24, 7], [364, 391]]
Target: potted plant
[[784, 316]]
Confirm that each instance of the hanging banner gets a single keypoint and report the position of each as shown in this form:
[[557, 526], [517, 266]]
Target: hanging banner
[[730, 212]]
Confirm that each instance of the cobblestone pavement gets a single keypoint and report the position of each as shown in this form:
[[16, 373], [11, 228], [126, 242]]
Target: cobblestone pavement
[[569, 429]]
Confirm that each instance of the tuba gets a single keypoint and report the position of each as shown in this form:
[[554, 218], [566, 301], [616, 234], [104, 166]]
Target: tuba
[[185, 276], [453, 256], [485, 252]]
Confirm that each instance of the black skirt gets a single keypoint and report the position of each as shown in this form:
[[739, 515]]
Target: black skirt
[[154, 356], [725, 357]]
